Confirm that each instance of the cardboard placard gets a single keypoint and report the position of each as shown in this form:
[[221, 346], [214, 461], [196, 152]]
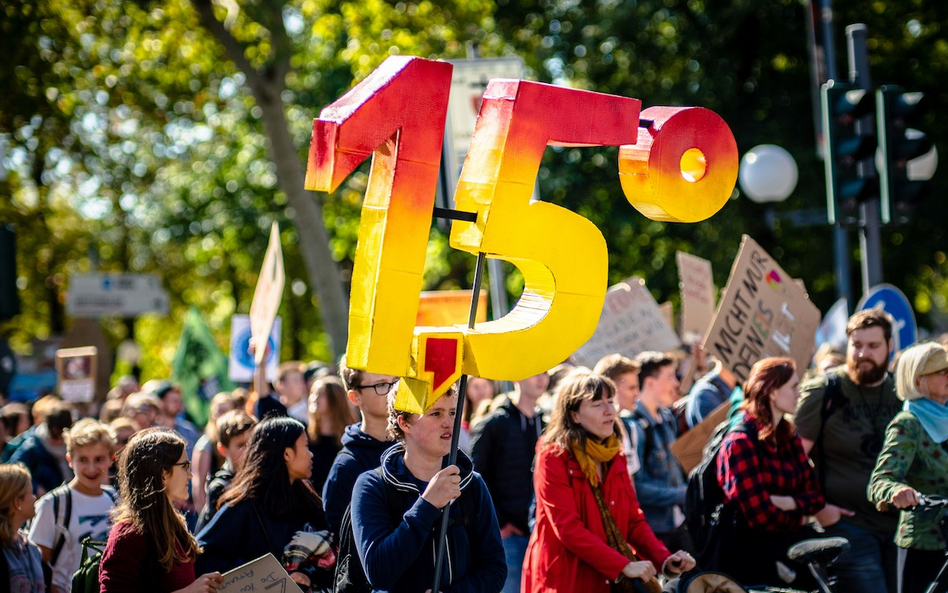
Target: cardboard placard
[[631, 322], [449, 307], [76, 369], [268, 293], [762, 313], [696, 284], [689, 449], [265, 574]]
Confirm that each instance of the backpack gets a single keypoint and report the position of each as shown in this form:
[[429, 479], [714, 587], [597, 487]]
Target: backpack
[[86, 579], [833, 399], [64, 494], [350, 574], [704, 498]]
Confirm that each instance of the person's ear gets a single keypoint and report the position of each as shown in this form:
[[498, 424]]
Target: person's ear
[[574, 416], [354, 397], [222, 450], [69, 459], [165, 476], [403, 424]]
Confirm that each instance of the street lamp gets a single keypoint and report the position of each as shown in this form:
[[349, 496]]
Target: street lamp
[[768, 174]]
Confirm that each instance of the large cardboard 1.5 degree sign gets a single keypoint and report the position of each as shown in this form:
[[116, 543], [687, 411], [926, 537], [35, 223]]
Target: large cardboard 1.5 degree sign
[[675, 163], [763, 312]]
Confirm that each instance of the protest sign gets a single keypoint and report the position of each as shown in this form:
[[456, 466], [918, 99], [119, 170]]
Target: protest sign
[[631, 322], [268, 293], [260, 575], [689, 449], [762, 313], [449, 307], [696, 283], [241, 365], [76, 371]]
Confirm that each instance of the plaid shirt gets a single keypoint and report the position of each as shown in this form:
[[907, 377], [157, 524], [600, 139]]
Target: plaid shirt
[[750, 473]]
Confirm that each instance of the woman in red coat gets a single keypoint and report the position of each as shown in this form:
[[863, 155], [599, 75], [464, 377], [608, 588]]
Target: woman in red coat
[[590, 531]]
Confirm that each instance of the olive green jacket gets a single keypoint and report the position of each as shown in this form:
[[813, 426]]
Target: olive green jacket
[[910, 457]]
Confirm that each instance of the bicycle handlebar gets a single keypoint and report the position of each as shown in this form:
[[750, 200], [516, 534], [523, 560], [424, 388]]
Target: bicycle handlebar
[[924, 501]]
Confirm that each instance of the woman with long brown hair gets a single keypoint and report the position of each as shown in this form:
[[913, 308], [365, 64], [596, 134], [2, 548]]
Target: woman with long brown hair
[[590, 531], [149, 547], [329, 415], [20, 560], [770, 487]]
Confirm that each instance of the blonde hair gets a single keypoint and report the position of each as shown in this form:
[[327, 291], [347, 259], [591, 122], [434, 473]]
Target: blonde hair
[[911, 362], [15, 482], [89, 432]]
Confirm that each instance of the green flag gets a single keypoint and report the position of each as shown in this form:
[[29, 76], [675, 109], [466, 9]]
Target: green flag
[[199, 367]]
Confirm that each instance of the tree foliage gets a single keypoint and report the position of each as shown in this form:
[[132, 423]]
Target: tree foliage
[[143, 137]]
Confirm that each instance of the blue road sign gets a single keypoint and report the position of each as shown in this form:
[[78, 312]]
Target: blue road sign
[[893, 302]]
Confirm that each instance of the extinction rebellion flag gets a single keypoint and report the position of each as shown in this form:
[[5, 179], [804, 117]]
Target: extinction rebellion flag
[[199, 367]]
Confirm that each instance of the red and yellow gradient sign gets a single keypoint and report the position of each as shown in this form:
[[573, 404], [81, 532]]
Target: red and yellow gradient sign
[[681, 165]]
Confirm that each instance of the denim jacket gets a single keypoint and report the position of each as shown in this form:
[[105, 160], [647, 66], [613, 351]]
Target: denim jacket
[[660, 483]]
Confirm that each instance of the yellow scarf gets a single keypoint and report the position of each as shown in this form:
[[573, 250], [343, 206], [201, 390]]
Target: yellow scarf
[[601, 452]]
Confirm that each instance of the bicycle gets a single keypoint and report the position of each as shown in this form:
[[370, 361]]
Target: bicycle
[[934, 502], [817, 554]]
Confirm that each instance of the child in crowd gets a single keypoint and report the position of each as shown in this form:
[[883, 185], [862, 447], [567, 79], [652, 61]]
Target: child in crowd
[[233, 434], [84, 502]]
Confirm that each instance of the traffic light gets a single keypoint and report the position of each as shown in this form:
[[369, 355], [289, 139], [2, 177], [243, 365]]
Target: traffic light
[[895, 109], [847, 144], [9, 297]]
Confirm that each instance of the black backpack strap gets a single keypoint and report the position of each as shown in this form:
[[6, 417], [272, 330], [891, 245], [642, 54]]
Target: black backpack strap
[[62, 527], [832, 400], [113, 494], [649, 429]]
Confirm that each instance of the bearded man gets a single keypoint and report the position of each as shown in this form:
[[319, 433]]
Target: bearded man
[[842, 417]]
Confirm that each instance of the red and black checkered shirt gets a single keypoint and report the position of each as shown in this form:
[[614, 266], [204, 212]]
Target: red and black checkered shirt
[[750, 473]]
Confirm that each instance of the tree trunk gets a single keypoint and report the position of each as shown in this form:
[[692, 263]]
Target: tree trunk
[[267, 85], [323, 272]]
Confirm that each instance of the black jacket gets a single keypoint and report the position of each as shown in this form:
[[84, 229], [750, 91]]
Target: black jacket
[[503, 445], [360, 453]]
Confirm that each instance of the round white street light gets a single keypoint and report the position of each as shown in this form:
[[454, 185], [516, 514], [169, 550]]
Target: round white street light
[[768, 174]]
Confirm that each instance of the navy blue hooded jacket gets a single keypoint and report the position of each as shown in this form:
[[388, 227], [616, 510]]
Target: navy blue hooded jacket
[[360, 453], [401, 557]]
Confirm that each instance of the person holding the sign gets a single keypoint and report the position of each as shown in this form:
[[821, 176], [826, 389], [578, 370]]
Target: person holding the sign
[[842, 416], [396, 511], [150, 548], [913, 463], [770, 488], [271, 507], [590, 533]]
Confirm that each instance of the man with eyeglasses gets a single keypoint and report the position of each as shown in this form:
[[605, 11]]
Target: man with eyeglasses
[[363, 443]]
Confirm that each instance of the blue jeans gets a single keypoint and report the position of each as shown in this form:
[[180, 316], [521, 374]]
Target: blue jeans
[[515, 548], [870, 563]]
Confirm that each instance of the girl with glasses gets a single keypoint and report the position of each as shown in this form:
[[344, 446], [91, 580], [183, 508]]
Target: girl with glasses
[[149, 547]]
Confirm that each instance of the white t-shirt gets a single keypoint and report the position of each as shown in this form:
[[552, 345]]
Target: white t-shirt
[[90, 517]]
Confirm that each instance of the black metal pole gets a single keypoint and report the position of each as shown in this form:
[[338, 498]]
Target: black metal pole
[[870, 242], [453, 455]]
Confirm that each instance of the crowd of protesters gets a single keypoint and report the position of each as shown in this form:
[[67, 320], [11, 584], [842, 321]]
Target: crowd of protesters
[[566, 482]]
